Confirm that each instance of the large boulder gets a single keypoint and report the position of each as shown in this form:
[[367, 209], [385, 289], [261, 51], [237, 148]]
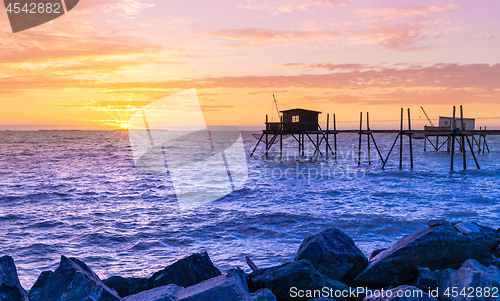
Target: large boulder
[[426, 280], [439, 247], [496, 253], [162, 293], [488, 260], [10, 287], [293, 281], [126, 286], [228, 287], [185, 272], [74, 280], [333, 254], [400, 293], [469, 282], [36, 290]]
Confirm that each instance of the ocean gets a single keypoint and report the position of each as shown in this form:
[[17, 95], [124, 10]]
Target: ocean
[[78, 194]]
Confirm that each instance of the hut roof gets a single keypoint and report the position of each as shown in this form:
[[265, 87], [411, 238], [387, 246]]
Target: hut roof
[[298, 109]]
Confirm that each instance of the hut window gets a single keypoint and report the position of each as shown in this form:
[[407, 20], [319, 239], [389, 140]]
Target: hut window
[[295, 118]]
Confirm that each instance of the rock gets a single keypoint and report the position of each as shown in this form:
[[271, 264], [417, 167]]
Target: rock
[[376, 252], [228, 287], [251, 264], [436, 248], [162, 293], [36, 289], [467, 228], [74, 280], [496, 253], [470, 277], [489, 259], [437, 222], [185, 272], [126, 286], [287, 280], [10, 287], [264, 294], [400, 293], [333, 254], [426, 280]]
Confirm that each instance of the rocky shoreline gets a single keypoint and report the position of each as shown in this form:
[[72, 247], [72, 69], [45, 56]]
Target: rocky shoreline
[[446, 261]]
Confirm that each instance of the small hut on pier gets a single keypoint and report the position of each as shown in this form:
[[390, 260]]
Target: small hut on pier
[[296, 121]]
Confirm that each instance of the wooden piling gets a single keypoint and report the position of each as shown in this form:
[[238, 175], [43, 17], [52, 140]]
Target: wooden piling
[[479, 141], [281, 137], [317, 146], [267, 138], [256, 145], [368, 137], [327, 127], [453, 130], [409, 139], [401, 142], [462, 136], [376, 147], [335, 135], [485, 144], [360, 129]]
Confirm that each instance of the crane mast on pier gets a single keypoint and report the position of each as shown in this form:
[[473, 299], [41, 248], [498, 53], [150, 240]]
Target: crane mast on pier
[[427, 116]]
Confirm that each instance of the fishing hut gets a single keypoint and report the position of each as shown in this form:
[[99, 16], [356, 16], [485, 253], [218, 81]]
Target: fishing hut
[[446, 123], [445, 129], [301, 124], [296, 120]]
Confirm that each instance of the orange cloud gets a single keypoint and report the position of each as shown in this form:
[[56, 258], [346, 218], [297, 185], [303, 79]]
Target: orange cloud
[[481, 79], [437, 83]]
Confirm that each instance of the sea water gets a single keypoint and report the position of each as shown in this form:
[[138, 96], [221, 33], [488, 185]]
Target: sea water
[[78, 194]]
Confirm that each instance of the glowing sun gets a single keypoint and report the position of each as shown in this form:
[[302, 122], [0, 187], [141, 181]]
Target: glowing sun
[[124, 126]]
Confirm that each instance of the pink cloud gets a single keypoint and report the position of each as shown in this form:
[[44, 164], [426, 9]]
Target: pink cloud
[[129, 7], [483, 37], [409, 36], [327, 66], [400, 37], [375, 14], [288, 6]]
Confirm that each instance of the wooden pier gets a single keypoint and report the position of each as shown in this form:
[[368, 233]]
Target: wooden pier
[[304, 127]]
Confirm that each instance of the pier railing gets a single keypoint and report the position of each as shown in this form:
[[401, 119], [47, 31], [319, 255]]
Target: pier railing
[[295, 127]]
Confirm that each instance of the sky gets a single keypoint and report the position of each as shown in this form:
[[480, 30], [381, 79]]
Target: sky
[[97, 65]]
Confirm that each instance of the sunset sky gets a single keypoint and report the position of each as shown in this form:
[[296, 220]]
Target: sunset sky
[[95, 66]]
